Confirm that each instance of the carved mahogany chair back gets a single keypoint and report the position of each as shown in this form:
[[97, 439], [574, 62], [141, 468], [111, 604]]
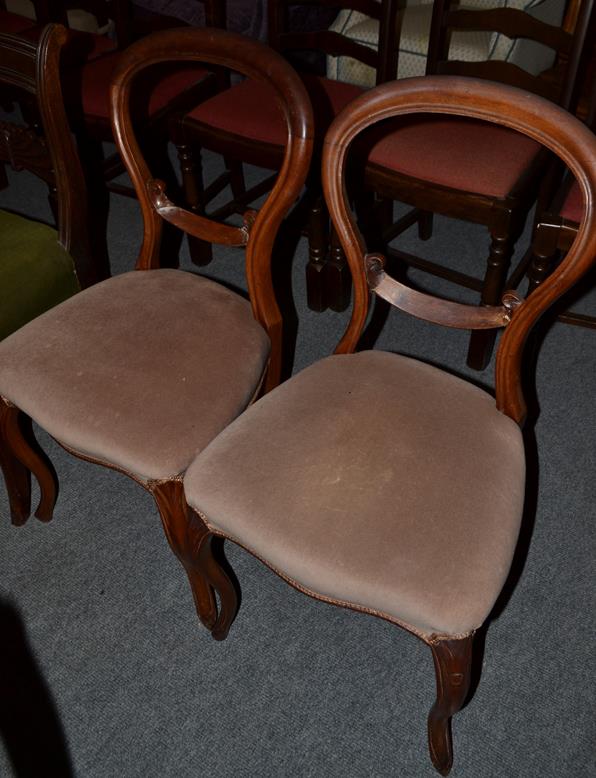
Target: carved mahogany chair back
[[44, 145], [447, 167], [334, 498]]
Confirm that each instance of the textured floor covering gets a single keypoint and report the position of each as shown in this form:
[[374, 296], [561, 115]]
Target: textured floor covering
[[106, 672]]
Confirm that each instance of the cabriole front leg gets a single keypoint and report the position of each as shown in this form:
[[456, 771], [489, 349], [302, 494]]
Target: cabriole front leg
[[453, 662]]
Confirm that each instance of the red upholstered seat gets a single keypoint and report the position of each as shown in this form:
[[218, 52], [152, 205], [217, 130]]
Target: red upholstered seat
[[249, 109], [573, 207], [463, 154], [14, 23], [97, 74]]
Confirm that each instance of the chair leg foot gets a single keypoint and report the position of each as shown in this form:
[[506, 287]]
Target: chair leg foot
[[190, 540], [452, 660], [21, 455]]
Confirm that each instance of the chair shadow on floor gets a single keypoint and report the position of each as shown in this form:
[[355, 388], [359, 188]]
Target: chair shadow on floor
[[30, 727]]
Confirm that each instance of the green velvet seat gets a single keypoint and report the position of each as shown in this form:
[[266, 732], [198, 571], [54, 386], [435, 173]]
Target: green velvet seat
[[36, 272]]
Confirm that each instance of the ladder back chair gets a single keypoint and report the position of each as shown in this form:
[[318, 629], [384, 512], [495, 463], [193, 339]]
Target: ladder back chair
[[142, 370], [375, 481], [243, 125], [469, 170], [555, 231], [41, 266]]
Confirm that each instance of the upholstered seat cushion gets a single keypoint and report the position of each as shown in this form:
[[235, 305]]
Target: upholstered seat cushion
[[463, 154], [14, 23], [97, 74], [36, 272], [249, 109], [140, 371], [573, 207], [373, 480]]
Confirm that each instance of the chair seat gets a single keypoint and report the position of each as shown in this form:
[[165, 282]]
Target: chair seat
[[97, 75], [233, 110], [14, 23], [164, 341], [36, 272], [462, 154], [377, 481], [573, 208]]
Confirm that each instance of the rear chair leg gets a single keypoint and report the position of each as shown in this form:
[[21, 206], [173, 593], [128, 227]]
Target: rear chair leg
[[453, 662], [21, 455]]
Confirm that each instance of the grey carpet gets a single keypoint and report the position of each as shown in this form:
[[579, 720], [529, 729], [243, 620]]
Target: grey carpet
[[106, 671]]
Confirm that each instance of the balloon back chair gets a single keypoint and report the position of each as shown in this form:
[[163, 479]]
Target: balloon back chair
[[241, 123], [94, 58], [471, 171], [140, 371], [377, 482], [40, 266]]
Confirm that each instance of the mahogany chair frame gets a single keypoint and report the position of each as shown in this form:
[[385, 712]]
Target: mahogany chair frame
[[504, 217], [93, 132], [45, 146], [563, 135], [20, 455], [191, 135]]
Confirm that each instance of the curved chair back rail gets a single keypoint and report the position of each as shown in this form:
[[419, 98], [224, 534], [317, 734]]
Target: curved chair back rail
[[206, 46], [529, 114], [34, 67]]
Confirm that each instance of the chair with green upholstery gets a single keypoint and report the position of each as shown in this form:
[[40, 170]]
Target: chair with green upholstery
[[40, 266]]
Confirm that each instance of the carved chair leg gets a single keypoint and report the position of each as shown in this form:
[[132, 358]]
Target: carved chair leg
[[201, 252], [338, 279], [318, 230], [184, 534], [21, 455], [191, 540], [453, 662], [482, 341], [223, 585], [544, 250], [425, 225]]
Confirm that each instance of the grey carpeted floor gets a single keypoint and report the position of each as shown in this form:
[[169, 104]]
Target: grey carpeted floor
[[106, 671]]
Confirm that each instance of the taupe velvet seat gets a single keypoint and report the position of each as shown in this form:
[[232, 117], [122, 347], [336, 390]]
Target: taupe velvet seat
[[378, 482], [142, 370], [291, 481], [126, 376]]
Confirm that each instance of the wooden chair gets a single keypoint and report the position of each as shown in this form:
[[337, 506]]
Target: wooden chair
[[14, 23], [465, 169], [375, 481], [142, 370], [94, 60], [41, 266], [243, 125], [556, 229]]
